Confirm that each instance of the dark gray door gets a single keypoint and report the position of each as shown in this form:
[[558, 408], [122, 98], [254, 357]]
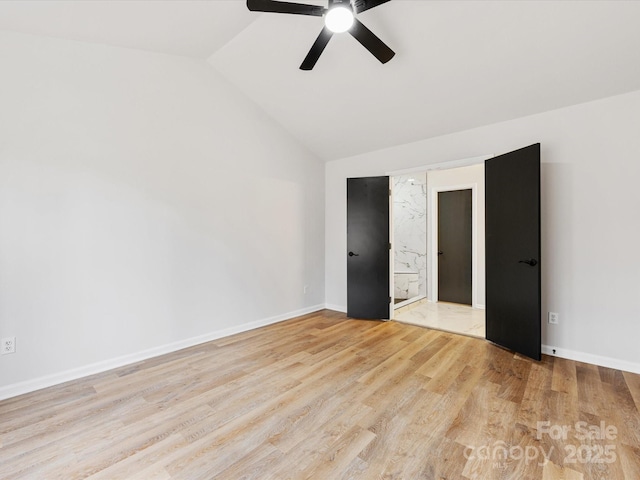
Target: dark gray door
[[454, 246], [512, 210], [368, 248]]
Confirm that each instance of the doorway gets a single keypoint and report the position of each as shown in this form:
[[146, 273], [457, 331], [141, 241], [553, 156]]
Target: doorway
[[468, 178], [512, 204], [456, 313], [409, 239]]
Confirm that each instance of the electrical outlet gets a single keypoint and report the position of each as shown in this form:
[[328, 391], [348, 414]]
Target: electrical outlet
[[553, 318], [8, 345]]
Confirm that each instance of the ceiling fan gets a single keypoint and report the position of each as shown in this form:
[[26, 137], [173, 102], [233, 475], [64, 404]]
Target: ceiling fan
[[339, 17]]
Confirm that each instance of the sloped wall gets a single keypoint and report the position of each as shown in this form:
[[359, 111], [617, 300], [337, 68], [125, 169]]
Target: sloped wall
[[144, 203]]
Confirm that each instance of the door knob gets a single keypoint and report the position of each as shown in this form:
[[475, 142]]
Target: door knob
[[351, 254], [532, 262], [440, 253]]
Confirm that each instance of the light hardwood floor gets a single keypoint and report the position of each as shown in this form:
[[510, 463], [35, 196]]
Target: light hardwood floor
[[326, 397]]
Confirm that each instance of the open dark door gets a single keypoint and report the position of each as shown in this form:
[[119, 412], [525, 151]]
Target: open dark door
[[455, 214], [368, 248], [512, 209]]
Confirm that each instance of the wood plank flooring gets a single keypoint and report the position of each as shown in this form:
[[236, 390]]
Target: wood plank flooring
[[326, 397]]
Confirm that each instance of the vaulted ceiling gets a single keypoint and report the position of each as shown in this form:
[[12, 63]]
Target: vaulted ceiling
[[458, 64]]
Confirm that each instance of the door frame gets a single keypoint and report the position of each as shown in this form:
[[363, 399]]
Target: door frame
[[447, 165], [432, 251], [463, 162], [392, 260]]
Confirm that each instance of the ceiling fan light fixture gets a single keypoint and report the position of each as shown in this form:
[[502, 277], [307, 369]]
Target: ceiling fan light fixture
[[339, 16], [339, 19]]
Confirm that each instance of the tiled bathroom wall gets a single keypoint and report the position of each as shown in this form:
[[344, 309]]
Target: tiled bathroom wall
[[410, 234]]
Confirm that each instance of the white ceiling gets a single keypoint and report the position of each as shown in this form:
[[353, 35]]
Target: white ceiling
[[177, 27], [458, 64]]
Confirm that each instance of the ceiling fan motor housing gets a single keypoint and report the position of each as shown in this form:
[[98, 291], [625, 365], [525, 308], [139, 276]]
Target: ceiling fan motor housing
[[340, 3]]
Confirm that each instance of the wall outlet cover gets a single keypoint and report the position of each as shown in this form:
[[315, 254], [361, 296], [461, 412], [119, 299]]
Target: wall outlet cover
[[8, 345]]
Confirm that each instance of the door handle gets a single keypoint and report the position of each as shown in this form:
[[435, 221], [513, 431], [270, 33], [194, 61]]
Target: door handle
[[532, 262], [440, 253], [351, 254]]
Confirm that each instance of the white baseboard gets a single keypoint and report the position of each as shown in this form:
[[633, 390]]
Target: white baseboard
[[608, 362], [336, 308], [27, 386], [480, 306]]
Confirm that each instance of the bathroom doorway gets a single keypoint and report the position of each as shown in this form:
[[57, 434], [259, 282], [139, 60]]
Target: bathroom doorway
[[415, 243]]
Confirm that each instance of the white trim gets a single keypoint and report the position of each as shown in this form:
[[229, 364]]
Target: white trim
[[464, 162], [27, 386], [480, 306], [408, 301], [608, 362], [336, 308], [433, 261], [392, 258]]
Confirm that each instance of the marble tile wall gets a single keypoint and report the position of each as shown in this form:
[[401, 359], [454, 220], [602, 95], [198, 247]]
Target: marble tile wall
[[410, 226], [405, 285]]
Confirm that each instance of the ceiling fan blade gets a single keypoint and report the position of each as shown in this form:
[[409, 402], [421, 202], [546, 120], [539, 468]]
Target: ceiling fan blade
[[316, 49], [360, 6], [285, 7], [369, 41]]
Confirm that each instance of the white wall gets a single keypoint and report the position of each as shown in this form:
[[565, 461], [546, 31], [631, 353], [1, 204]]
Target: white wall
[[143, 203], [442, 180], [590, 228]]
